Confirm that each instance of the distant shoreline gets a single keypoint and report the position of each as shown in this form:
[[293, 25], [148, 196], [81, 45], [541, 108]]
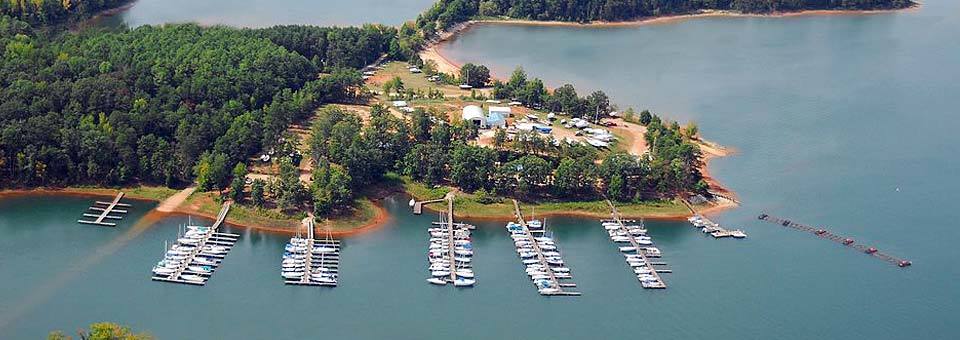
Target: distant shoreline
[[433, 52]]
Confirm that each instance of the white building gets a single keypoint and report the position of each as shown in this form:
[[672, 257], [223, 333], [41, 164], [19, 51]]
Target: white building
[[473, 113]]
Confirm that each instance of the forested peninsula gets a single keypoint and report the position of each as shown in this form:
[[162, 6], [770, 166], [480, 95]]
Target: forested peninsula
[[53, 12], [286, 119], [447, 13]]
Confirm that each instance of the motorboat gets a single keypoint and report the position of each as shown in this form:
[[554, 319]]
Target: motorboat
[[530, 261], [462, 259], [437, 281], [440, 273], [466, 273], [626, 249], [539, 277]]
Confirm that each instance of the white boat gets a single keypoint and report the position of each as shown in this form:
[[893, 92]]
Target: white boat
[[463, 252], [530, 261], [159, 270], [540, 277], [323, 279], [626, 249], [462, 259], [323, 249], [549, 290], [292, 275], [466, 273], [192, 278], [464, 282], [437, 281], [440, 273], [200, 269], [187, 240], [204, 261]]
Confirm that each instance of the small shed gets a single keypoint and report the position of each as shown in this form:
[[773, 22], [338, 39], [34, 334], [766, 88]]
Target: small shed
[[504, 111]]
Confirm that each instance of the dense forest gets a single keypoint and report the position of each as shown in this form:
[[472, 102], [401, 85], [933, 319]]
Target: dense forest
[[146, 104], [447, 13], [49, 12]]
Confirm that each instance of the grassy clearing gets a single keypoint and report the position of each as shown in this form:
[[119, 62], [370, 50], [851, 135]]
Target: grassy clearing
[[469, 205]]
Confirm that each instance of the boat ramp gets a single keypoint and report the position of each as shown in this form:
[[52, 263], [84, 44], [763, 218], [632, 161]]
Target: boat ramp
[[541, 256], [105, 209], [637, 249], [846, 241], [450, 253], [197, 253], [322, 257]]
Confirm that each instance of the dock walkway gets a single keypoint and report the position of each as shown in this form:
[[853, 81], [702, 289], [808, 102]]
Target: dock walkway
[[709, 227], [846, 241], [110, 207], [640, 251], [554, 280]]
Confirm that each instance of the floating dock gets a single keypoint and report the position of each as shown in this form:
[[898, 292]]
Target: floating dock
[[639, 251], [196, 254], [846, 241], [712, 228], [321, 256], [541, 256], [105, 210]]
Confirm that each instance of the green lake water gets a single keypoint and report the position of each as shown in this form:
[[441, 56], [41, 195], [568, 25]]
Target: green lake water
[[843, 121]]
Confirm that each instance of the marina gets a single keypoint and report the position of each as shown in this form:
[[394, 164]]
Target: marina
[[196, 254], [846, 241], [105, 210], [311, 262], [540, 256], [639, 251]]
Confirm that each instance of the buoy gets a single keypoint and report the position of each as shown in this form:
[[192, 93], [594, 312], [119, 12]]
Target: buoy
[[821, 231]]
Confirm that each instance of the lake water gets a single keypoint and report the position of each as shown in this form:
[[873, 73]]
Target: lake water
[[842, 121], [260, 13]]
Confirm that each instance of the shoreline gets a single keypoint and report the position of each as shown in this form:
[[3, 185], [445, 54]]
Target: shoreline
[[432, 51], [380, 217]]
